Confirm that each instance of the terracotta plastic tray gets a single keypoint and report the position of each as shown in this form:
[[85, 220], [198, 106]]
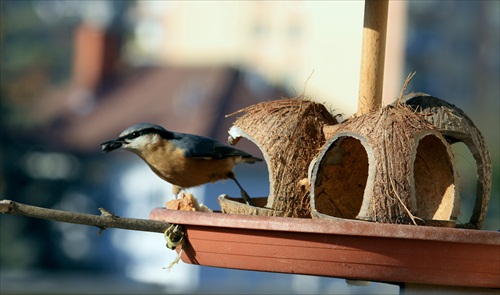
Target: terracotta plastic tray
[[343, 248]]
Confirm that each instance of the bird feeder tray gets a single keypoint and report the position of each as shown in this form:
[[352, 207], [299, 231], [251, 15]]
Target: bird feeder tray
[[333, 245], [389, 166], [344, 248]]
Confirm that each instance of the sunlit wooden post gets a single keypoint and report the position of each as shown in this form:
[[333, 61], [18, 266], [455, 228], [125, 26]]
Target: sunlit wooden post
[[372, 56]]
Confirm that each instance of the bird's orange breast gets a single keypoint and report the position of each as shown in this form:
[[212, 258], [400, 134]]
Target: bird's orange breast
[[170, 164]]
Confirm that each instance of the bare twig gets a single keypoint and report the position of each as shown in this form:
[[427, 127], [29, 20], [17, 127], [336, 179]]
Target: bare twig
[[103, 221]]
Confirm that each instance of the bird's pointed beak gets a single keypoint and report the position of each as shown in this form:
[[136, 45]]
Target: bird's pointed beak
[[112, 145]]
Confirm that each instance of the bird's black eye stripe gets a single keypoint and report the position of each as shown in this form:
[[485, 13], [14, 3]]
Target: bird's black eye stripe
[[134, 134], [163, 133]]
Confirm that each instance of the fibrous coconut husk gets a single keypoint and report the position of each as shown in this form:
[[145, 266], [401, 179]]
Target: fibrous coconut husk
[[238, 206], [389, 166], [456, 126], [289, 133]]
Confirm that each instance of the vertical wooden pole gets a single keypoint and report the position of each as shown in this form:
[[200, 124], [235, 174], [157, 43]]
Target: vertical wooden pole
[[372, 56]]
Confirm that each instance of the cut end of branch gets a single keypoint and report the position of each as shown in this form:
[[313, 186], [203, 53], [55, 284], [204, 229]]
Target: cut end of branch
[[6, 206]]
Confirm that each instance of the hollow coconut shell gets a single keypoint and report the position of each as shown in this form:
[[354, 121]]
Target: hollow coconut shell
[[389, 166], [289, 133], [456, 126], [237, 206]]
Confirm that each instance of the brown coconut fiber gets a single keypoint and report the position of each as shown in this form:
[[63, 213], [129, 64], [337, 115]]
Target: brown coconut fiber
[[456, 126], [289, 133], [389, 166]]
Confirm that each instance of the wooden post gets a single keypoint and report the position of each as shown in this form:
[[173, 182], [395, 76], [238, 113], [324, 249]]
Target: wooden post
[[372, 56]]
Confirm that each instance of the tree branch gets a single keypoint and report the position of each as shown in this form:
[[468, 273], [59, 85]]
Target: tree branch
[[103, 221]]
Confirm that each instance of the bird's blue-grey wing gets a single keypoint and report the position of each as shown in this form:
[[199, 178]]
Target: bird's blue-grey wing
[[195, 146]]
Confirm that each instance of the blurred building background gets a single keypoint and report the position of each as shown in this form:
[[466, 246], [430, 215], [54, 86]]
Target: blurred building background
[[76, 73]]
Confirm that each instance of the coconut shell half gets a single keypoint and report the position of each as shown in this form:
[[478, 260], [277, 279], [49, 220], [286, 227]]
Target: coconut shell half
[[456, 126], [289, 133], [389, 166]]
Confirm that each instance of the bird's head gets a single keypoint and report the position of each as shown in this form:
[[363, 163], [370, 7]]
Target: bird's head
[[136, 138]]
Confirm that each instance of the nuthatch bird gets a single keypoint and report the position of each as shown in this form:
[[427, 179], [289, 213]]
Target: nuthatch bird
[[183, 160]]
